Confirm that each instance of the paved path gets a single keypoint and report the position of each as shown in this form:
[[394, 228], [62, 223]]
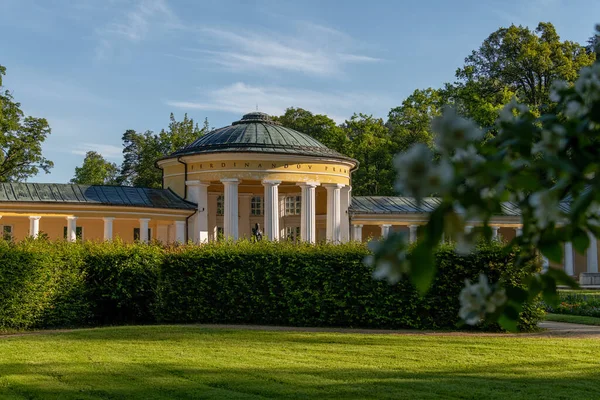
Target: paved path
[[550, 329]]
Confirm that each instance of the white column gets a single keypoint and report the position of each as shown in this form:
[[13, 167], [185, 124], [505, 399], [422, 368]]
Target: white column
[[245, 230], [230, 209], [592, 254], [34, 226], [469, 228], [198, 193], [271, 201], [518, 231], [333, 211], [569, 259], [72, 229], [385, 230], [108, 228], [144, 230], [412, 233], [180, 231], [495, 230], [357, 232], [344, 215], [308, 223]]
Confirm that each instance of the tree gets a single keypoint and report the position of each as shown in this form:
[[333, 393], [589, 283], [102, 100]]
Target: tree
[[517, 60], [410, 123], [318, 126], [95, 171], [141, 150], [370, 143], [21, 140]]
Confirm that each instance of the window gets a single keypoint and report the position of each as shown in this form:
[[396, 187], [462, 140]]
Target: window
[[256, 206], [220, 205], [136, 233], [7, 232], [220, 233], [292, 205], [78, 232], [292, 233]]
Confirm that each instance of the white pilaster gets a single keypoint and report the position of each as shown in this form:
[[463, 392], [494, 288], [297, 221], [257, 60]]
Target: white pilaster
[[71, 228], [545, 264], [357, 232], [108, 228], [144, 230], [412, 233], [198, 193], [333, 211], [344, 215], [34, 226], [308, 222], [385, 230], [180, 231], [518, 231], [271, 202], [230, 209], [592, 254], [495, 230], [569, 259]]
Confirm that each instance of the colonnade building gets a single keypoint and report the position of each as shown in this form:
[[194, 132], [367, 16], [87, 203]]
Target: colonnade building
[[254, 171]]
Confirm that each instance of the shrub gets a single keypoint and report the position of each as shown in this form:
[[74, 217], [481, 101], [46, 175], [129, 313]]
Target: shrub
[[583, 303], [50, 284]]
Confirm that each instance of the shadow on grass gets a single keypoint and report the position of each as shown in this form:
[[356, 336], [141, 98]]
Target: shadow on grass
[[90, 380]]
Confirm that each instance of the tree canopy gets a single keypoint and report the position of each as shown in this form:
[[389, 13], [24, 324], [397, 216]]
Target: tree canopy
[[96, 171], [21, 139]]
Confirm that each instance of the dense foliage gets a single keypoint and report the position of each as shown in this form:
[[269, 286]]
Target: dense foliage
[[50, 284], [21, 139], [95, 171]]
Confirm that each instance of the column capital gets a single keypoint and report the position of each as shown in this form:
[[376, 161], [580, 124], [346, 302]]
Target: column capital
[[108, 218], [413, 226], [270, 182], [357, 225], [230, 181], [71, 218], [386, 225], [308, 184], [35, 217], [333, 185], [197, 183], [145, 219]]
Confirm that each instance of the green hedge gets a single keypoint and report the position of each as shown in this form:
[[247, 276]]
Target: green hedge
[[578, 302], [53, 284]]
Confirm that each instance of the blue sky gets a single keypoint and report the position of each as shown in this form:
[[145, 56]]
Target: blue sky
[[95, 68]]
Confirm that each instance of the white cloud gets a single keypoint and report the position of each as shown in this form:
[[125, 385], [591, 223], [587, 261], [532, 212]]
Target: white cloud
[[106, 150], [313, 49], [240, 98], [136, 24]]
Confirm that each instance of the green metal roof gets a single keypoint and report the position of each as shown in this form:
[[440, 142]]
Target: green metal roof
[[257, 133], [92, 194]]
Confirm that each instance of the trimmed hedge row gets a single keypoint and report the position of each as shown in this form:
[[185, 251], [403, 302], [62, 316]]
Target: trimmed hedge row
[[55, 284]]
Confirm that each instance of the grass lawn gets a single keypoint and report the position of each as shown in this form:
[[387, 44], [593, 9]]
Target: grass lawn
[[573, 319], [188, 362]]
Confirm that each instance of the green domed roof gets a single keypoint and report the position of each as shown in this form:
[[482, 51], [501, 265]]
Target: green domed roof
[[256, 132]]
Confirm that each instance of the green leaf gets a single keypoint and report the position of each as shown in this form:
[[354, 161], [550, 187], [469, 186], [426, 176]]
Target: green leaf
[[508, 323], [580, 241], [516, 294], [552, 250], [561, 278]]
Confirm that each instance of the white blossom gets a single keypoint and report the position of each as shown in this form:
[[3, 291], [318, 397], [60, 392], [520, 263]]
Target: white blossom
[[469, 157], [588, 83], [454, 132], [477, 300], [507, 114], [387, 270], [464, 244], [418, 176], [553, 140], [555, 89], [573, 109], [545, 208], [487, 193]]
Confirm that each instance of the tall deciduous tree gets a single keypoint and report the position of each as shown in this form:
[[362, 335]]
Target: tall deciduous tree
[[96, 171], [523, 62], [320, 127], [21, 140], [371, 144], [141, 150]]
